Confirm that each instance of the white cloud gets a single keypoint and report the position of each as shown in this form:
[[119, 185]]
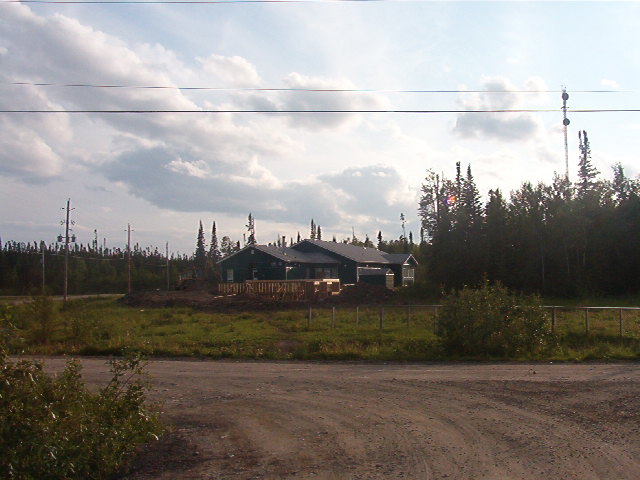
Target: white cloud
[[230, 71], [499, 125], [605, 82]]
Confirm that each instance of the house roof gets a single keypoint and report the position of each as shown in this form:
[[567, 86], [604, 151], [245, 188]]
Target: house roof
[[288, 255], [352, 252], [365, 271], [361, 254], [399, 258]]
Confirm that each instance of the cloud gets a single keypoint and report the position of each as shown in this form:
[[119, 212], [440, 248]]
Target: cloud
[[223, 163], [180, 182], [307, 94], [498, 126], [605, 82], [30, 145], [231, 71], [59, 49]]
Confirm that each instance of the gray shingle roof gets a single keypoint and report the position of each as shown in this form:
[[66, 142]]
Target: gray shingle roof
[[397, 258], [363, 271], [290, 255], [352, 252], [360, 254]]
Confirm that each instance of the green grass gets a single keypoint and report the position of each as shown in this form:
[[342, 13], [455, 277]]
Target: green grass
[[102, 326]]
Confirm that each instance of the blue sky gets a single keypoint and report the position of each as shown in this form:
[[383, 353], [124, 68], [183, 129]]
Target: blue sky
[[163, 173]]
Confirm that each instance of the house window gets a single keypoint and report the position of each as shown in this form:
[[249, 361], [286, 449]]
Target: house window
[[230, 275], [407, 272], [408, 275]]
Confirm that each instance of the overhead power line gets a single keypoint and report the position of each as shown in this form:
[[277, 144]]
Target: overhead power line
[[540, 110], [196, 2], [276, 89]]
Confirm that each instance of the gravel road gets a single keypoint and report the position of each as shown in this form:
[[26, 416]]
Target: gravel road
[[290, 420]]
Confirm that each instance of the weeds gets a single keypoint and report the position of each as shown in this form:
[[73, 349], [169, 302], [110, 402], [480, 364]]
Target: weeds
[[54, 428], [106, 327], [491, 321]]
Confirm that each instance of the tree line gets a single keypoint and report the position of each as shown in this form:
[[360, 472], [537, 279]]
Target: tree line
[[91, 269], [558, 239]]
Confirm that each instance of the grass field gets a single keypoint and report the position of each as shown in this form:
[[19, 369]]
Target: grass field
[[98, 326]]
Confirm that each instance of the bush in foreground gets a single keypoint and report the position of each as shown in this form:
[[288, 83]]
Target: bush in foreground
[[54, 428], [491, 321]]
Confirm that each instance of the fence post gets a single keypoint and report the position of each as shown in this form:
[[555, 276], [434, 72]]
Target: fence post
[[309, 318], [333, 317], [381, 318], [620, 325], [408, 315], [357, 315], [553, 319], [586, 320]]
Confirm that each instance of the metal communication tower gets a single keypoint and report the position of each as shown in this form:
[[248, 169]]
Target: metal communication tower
[[565, 123]]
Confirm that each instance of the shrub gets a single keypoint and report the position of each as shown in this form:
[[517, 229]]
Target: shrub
[[54, 428], [491, 321]]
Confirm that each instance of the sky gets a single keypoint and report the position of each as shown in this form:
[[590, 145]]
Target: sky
[[162, 173]]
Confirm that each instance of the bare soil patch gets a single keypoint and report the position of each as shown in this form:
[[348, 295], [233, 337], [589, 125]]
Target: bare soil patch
[[204, 299], [278, 420]]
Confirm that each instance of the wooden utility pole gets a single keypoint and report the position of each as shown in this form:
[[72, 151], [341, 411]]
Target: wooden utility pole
[[67, 239], [167, 255], [42, 247], [129, 258]]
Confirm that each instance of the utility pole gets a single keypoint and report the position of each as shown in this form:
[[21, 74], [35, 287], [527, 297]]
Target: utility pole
[[128, 258], [67, 239], [167, 255], [42, 247]]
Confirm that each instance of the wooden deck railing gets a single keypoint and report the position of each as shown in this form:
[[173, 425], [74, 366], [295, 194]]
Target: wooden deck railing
[[293, 290]]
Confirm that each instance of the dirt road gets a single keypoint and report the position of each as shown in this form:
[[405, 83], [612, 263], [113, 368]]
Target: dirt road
[[245, 420]]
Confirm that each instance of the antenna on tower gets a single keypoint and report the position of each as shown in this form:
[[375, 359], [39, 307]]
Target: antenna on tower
[[565, 122]]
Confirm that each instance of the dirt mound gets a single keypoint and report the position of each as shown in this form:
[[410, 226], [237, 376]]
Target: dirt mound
[[204, 299], [364, 293]]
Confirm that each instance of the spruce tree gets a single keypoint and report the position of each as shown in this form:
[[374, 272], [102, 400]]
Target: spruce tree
[[200, 257], [214, 249], [586, 171], [252, 230], [312, 234]]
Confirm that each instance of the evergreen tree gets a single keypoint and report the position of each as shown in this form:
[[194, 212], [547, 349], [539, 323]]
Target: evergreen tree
[[252, 230], [586, 171], [312, 234], [367, 242], [226, 246], [200, 256], [318, 233], [379, 239], [214, 249], [496, 237]]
